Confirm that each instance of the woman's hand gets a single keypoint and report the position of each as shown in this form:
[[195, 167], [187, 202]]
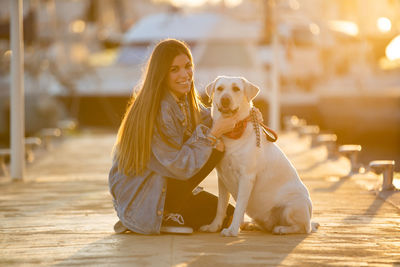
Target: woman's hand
[[224, 125], [220, 146]]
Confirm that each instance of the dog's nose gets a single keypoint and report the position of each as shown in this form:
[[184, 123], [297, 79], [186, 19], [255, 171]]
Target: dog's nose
[[225, 101]]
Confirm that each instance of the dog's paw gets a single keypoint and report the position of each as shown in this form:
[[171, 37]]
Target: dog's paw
[[314, 226], [283, 230], [250, 226], [229, 232], [211, 228], [279, 230]]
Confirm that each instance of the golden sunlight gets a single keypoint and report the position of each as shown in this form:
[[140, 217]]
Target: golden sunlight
[[198, 3], [7, 54], [393, 49], [346, 27], [103, 58], [233, 3], [314, 28], [384, 24], [294, 4], [192, 3], [77, 26]]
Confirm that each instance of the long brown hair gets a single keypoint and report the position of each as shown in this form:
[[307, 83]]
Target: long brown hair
[[133, 146]]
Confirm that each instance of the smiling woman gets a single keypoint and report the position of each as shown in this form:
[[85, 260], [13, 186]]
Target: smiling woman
[[166, 145], [180, 76]]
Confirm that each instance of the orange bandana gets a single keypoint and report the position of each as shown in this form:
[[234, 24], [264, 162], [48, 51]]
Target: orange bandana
[[237, 132]]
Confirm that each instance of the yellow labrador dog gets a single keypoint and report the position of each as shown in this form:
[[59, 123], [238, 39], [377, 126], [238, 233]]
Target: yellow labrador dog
[[254, 170]]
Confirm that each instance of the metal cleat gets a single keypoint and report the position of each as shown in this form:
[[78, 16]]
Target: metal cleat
[[329, 140], [48, 134], [386, 167], [4, 152], [351, 152], [67, 125], [30, 143], [289, 122], [308, 130], [301, 123]]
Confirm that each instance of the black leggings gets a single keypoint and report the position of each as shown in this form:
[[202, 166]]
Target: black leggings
[[197, 209]]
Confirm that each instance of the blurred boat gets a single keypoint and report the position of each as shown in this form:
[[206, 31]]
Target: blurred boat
[[221, 45], [365, 112]]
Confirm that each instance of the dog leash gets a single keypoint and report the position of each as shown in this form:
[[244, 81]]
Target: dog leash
[[237, 132], [270, 135]]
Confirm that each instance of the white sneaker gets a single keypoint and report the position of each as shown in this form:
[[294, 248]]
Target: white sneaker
[[119, 228], [173, 223]]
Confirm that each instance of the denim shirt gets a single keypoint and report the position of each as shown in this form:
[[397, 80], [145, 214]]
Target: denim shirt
[[139, 199]]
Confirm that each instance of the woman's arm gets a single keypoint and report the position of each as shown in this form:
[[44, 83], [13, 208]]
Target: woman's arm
[[179, 159], [174, 157]]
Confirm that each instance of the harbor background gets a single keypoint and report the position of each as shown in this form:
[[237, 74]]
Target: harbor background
[[334, 63], [331, 65]]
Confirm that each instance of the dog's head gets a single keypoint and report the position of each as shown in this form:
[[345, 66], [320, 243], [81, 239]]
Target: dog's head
[[231, 94]]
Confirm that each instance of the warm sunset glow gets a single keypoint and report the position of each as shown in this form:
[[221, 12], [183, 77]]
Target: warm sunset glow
[[294, 4], [198, 3], [393, 49], [77, 26], [314, 28], [188, 3], [396, 183], [384, 24], [78, 53], [103, 58], [233, 3], [346, 27], [7, 54]]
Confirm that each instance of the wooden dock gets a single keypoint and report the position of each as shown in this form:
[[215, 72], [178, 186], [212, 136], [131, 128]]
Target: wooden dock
[[62, 215]]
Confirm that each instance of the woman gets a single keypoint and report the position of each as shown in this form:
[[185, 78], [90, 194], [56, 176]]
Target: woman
[[166, 145]]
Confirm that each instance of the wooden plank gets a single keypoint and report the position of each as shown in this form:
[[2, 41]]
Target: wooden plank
[[62, 215]]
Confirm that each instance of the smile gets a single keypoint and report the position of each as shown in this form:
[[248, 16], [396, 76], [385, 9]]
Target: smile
[[184, 83], [228, 111]]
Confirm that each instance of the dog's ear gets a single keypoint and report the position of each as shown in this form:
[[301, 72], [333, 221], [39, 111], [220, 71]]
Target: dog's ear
[[210, 88], [251, 90]]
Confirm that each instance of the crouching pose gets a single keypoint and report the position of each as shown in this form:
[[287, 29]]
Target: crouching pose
[[166, 145]]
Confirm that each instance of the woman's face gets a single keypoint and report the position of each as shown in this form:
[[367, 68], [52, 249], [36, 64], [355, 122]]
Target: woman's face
[[180, 75]]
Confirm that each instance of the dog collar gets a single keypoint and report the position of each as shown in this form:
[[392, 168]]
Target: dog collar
[[238, 131]]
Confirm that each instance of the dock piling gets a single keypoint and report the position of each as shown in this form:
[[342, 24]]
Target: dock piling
[[351, 152], [329, 140], [385, 167]]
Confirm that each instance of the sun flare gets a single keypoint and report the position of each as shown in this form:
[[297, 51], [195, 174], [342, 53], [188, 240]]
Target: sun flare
[[198, 3], [346, 27], [393, 49], [384, 24]]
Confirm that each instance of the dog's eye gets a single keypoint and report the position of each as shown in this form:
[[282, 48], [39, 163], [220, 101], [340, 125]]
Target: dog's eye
[[220, 88], [236, 89]]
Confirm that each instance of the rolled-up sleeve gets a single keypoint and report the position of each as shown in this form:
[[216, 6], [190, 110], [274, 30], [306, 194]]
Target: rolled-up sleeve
[[175, 158]]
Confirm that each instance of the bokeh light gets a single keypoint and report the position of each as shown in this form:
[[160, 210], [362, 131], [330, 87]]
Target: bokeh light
[[314, 28], [393, 49], [294, 4], [346, 27], [233, 3], [384, 24], [7, 54], [77, 26], [198, 3]]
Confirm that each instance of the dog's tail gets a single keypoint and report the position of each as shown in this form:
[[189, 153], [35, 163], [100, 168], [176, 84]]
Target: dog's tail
[[314, 226]]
